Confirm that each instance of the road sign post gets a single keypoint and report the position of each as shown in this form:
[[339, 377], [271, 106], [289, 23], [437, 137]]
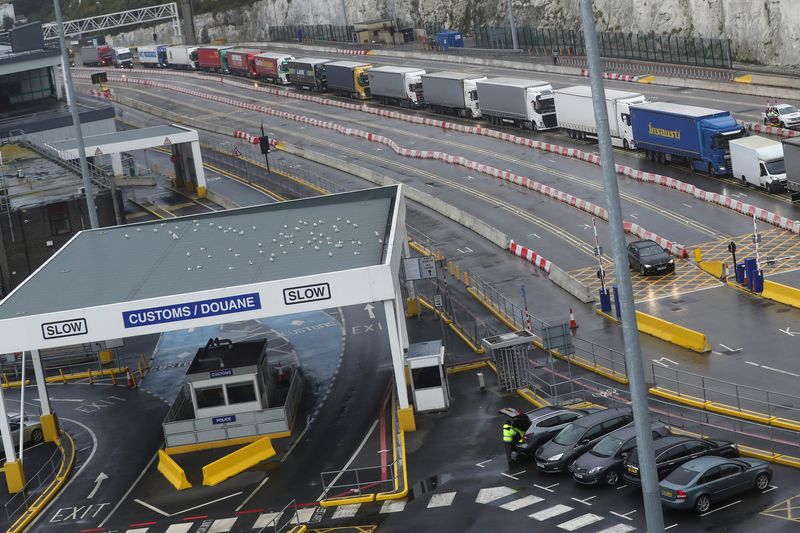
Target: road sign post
[[263, 142]]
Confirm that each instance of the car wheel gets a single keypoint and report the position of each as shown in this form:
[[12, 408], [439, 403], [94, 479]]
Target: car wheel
[[612, 477], [782, 125], [571, 464], [37, 436], [641, 270], [765, 122], [762, 481], [702, 504]]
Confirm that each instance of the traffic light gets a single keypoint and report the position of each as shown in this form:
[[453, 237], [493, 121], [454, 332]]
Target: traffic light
[[264, 142]]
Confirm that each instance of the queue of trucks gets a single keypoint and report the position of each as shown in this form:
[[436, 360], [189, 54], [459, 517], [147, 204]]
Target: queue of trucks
[[702, 139]]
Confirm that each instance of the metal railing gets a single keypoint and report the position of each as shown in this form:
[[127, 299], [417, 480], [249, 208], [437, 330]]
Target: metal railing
[[623, 45], [316, 32], [284, 519], [357, 481], [742, 397]]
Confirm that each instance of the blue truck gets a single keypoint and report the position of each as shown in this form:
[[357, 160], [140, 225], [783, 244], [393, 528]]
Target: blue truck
[[695, 136]]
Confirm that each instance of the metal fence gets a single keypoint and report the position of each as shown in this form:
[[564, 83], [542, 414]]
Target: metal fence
[[356, 481], [742, 397], [284, 520], [622, 45], [315, 32]]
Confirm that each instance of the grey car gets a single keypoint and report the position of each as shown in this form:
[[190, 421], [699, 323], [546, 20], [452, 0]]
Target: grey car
[[706, 480], [32, 429], [603, 463], [545, 423]]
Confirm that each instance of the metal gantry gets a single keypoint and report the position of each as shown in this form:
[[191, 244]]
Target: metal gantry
[[101, 23]]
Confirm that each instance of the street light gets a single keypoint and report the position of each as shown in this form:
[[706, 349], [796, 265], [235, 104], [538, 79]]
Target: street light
[[630, 333]]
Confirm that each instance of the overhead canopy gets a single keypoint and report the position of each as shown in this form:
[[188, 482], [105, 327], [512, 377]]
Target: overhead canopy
[[126, 141], [198, 270]]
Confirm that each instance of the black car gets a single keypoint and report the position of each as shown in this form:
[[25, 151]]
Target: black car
[[672, 452], [649, 258], [603, 463], [545, 423], [558, 454]]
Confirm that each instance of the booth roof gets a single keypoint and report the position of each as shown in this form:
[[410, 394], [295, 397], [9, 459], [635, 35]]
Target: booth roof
[[263, 243]]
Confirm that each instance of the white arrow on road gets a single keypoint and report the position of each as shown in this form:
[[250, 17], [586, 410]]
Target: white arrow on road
[[789, 332], [184, 355], [368, 308], [100, 478]]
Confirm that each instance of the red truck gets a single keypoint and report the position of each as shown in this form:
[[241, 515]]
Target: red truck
[[273, 67], [241, 61], [96, 56], [210, 58]]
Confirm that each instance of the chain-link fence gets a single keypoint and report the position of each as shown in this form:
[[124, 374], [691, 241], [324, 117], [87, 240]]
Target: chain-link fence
[[621, 45], [314, 32]]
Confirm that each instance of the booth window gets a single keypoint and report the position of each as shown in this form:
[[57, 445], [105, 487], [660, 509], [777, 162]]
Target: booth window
[[241, 393], [59, 218], [210, 397], [427, 377]]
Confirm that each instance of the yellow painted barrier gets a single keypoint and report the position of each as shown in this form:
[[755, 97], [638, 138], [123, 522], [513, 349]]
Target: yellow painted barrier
[[647, 79], [672, 333], [781, 293], [745, 414], [238, 461], [785, 423], [679, 398], [698, 255], [466, 367], [533, 398], [747, 78], [715, 268], [172, 472]]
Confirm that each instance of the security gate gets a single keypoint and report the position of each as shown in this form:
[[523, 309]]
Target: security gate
[[510, 354]]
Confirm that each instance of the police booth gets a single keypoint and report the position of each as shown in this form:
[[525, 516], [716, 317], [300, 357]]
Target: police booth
[[429, 384]]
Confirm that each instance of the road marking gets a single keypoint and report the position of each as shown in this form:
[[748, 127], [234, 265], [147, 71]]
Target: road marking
[[265, 519], [770, 489], [482, 463], [721, 508], [625, 515], [619, 528], [687, 205], [349, 461], [634, 215], [441, 500], [346, 511], [548, 488], [513, 476], [304, 515], [151, 507], [550, 512], [493, 493], [61, 400], [392, 506], [670, 527], [789, 331], [534, 235], [621, 487], [179, 528], [266, 478], [585, 501], [732, 350], [130, 489], [516, 505], [208, 503], [222, 525], [137, 530], [581, 521], [765, 367]]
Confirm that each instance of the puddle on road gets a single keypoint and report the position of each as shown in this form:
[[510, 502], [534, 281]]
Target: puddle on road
[[428, 485]]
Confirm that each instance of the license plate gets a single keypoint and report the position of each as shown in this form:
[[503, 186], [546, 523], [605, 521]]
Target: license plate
[[633, 470], [540, 465], [662, 267], [666, 493], [578, 476]]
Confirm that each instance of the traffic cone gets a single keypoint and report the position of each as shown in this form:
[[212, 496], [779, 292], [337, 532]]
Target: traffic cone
[[131, 382], [573, 324], [724, 271]]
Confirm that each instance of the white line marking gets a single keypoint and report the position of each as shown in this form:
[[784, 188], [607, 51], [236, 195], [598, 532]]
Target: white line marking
[[266, 478], [585, 501], [662, 364], [346, 511], [721, 508], [670, 527], [550, 512], [179, 528], [734, 350], [493, 493], [151, 507], [770, 489], [625, 516], [305, 514], [61, 400], [442, 500], [137, 530], [392, 506], [265, 519], [296, 442], [130, 489], [482, 463], [687, 205], [548, 489], [513, 476], [516, 505], [208, 503], [581, 521], [751, 363], [222, 525], [765, 367], [621, 487], [349, 461], [619, 528]]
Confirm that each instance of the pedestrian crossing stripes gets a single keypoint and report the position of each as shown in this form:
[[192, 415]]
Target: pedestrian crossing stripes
[[534, 507]]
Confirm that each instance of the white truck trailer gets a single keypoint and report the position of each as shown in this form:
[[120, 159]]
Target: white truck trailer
[[452, 93], [759, 161], [397, 86], [527, 104], [182, 57], [576, 114], [148, 56]]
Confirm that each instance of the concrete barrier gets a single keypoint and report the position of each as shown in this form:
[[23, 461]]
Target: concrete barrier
[[172, 472], [672, 333], [221, 200], [781, 293], [570, 284], [715, 268], [238, 461]]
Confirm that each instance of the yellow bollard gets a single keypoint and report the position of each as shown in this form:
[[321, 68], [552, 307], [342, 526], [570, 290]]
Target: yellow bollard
[[698, 255], [138, 364], [63, 377], [450, 267], [458, 271], [113, 379], [90, 376], [466, 278]]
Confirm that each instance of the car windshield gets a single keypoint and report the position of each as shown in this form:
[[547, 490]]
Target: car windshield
[[776, 167], [607, 447], [681, 476], [650, 251], [786, 109], [569, 435]]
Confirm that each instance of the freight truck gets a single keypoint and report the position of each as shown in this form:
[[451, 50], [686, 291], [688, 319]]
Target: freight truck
[[309, 73], [182, 57], [211, 58], [791, 154], [348, 78], [148, 56], [122, 57], [161, 52], [452, 93], [242, 61], [527, 104], [576, 113], [273, 67], [759, 161], [397, 86], [96, 56], [693, 135]]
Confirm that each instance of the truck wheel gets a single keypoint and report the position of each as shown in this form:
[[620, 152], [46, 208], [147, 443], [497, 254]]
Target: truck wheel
[[765, 121], [626, 145], [711, 171], [744, 182]]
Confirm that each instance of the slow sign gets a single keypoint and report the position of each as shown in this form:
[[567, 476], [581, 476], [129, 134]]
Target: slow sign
[[65, 328]]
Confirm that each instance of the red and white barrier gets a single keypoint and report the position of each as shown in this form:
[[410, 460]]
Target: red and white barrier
[[252, 139], [530, 255], [769, 130], [352, 52], [612, 76]]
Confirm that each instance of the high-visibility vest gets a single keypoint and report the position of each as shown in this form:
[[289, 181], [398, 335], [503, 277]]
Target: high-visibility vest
[[510, 433]]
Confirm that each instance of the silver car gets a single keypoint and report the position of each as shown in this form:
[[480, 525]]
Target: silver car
[[31, 427]]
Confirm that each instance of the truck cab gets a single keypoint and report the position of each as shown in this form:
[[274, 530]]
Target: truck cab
[[471, 98], [759, 161], [414, 90], [194, 59], [122, 57], [362, 82], [161, 51], [716, 135], [542, 107]]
